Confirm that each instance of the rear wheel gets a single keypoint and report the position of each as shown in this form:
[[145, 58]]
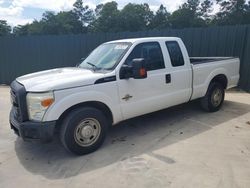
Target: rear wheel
[[83, 130], [214, 97]]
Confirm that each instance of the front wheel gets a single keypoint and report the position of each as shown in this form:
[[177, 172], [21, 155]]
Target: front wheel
[[83, 130], [214, 97]]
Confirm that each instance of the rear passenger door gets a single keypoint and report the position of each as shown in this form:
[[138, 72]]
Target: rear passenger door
[[179, 71]]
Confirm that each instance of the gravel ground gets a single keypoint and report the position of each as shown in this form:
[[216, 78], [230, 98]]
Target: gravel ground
[[177, 147]]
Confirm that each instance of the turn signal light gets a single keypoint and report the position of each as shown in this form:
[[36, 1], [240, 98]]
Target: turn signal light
[[47, 102], [142, 72]]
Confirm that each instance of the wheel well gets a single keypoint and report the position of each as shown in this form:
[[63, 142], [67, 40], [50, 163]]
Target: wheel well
[[95, 104], [221, 78]]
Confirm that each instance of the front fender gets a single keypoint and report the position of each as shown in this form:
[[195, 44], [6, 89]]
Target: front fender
[[66, 99]]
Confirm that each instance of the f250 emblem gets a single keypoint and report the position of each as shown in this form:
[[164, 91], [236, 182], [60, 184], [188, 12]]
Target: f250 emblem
[[127, 97]]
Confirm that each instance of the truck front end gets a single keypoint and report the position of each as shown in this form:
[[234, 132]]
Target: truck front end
[[27, 113]]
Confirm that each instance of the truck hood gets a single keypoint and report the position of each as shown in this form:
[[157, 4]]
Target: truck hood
[[60, 78]]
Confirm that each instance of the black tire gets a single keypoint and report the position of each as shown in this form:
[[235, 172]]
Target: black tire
[[70, 128], [207, 102]]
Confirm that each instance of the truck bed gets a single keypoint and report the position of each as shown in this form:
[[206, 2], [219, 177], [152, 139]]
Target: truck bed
[[205, 68], [200, 60]]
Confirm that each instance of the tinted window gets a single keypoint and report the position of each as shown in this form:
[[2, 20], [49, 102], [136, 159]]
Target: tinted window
[[151, 52], [175, 53]]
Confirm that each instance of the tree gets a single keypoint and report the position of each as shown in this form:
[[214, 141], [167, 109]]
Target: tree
[[51, 23], [135, 17], [205, 9], [191, 5], [108, 19], [61, 23], [248, 11], [84, 13], [232, 12], [160, 19], [21, 30], [187, 15], [193, 13], [98, 10], [5, 29]]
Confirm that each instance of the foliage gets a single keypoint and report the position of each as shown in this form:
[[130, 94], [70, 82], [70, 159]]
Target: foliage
[[51, 23], [161, 19], [193, 13], [108, 18], [5, 29], [84, 13], [233, 12], [134, 17], [206, 9]]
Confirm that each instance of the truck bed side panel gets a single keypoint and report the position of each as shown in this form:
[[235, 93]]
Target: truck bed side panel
[[205, 72]]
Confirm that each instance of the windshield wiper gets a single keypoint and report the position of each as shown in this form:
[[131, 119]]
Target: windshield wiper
[[93, 65]]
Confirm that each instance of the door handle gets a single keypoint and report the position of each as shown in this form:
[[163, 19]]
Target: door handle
[[168, 78]]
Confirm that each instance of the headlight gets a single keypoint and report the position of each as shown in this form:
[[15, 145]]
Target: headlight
[[38, 103]]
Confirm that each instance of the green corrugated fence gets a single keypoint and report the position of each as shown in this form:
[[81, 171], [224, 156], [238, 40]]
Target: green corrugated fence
[[22, 55]]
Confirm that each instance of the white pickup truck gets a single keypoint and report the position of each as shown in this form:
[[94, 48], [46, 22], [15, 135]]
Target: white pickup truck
[[119, 80]]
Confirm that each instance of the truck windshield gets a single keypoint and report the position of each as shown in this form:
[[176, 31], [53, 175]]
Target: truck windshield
[[106, 56]]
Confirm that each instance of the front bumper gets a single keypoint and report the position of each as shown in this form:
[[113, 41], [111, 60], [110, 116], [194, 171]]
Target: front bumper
[[29, 130]]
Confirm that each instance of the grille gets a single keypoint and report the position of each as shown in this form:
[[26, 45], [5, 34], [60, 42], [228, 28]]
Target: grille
[[18, 98], [15, 105]]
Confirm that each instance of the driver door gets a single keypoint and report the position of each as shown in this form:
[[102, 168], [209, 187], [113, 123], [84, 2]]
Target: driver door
[[141, 96]]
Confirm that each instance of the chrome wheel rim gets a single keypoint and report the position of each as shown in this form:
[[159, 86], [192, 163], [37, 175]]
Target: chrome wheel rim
[[87, 132], [216, 97]]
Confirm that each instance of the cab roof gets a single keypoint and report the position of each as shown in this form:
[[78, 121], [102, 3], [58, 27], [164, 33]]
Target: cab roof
[[147, 39]]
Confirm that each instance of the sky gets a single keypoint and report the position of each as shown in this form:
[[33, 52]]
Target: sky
[[20, 12]]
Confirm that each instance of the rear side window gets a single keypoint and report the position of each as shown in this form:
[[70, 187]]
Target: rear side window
[[151, 52], [175, 53]]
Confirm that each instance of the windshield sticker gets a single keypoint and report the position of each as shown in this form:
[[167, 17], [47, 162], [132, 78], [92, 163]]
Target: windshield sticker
[[121, 47]]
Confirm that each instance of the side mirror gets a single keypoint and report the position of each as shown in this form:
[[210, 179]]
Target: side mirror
[[137, 70], [126, 72]]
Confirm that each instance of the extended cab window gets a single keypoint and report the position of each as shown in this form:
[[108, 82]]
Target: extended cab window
[[175, 53], [151, 52]]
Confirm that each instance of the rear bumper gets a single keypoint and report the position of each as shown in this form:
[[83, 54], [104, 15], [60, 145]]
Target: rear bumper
[[29, 130]]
